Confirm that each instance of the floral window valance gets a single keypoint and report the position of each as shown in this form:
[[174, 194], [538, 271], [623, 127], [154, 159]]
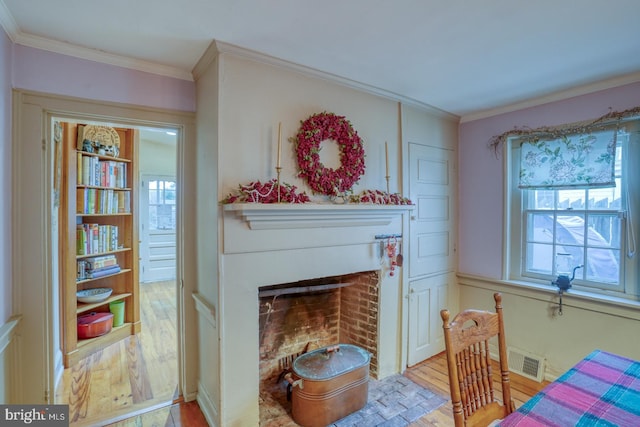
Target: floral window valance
[[569, 161], [575, 155]]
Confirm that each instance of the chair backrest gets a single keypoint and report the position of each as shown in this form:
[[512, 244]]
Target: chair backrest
[[474, 397]]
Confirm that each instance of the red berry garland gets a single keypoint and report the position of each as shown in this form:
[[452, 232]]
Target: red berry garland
[[328, 126], [258, 192]]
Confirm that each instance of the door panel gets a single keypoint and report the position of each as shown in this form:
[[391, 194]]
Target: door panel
[[430, 180], [426, 298], [161, 264], [431, 249]]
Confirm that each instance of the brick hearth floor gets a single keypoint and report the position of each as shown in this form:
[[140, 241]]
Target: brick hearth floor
[[395, 401]]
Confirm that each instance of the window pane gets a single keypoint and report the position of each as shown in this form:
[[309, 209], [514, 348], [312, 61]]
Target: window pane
[[604, 231], [540, 228], [571, 199], [539, 258], [153, 218], [170, 197], [165, 214], [567, 259], [153, 196], [570, 230], [603, 265], [541, 199], [605, 198]]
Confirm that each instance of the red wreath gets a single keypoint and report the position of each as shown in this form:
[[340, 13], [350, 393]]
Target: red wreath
[[313, 131]]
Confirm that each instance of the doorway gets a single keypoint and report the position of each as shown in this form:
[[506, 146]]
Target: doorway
[[37, 287], [136, 371], [158, 208]]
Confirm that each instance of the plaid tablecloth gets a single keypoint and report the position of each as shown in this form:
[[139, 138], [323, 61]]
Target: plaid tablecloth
[[603, 389]]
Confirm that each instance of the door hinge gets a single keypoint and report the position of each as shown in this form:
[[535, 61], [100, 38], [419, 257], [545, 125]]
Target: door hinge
[[46, 396]]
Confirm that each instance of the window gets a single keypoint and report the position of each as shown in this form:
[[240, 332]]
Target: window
[[162, 205], [588, 232]]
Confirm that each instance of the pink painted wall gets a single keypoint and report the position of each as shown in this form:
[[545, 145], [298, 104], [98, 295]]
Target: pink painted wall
[[37, 70], [42, 71], [5, 177], [481, 177]]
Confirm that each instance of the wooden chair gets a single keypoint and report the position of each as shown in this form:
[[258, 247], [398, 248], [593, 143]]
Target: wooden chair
[[466, 340]]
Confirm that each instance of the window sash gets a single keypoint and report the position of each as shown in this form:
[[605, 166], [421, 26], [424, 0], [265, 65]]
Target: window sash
[[568, 232]]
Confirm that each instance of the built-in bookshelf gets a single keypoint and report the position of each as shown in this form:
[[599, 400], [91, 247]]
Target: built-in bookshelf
[[98, 230]]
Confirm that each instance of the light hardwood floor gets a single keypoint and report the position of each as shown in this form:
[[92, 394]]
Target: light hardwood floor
[[432, 374], [134, 382], [132, 375]]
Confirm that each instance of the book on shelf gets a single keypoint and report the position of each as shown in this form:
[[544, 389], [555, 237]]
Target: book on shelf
[[94, 274], [96, 238], [79, 167], [102, 201], [94, 172], [96, 263], [85, 272]]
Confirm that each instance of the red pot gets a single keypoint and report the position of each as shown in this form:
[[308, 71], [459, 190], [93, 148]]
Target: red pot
[[94, 324]]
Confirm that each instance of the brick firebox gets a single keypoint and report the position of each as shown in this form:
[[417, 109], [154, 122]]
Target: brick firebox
[[306, 315]]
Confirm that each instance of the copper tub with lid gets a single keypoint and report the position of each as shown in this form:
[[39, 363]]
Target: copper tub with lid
[[328, 384]]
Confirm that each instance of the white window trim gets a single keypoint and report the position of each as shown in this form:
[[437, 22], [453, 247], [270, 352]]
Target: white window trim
[[512, 240]]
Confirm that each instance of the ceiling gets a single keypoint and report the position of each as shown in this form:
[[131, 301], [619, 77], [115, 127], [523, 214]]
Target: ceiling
[[469, 58]]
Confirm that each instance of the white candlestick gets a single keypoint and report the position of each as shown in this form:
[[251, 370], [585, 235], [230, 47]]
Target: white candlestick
[[386, 158], [279, 143]]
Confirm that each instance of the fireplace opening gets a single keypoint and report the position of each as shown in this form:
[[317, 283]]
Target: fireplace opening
[[302, 316]]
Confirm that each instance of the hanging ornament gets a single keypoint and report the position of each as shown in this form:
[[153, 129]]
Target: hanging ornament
[[391, 253]]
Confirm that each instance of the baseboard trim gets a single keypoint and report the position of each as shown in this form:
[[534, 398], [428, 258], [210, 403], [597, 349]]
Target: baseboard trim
[[207, 406]]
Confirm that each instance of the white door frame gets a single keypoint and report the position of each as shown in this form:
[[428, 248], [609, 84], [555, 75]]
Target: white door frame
[[35, 286]]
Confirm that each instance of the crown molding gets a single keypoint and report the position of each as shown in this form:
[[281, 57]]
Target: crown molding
[[19, 37], [95, 55], [554, 97], [7, 22], [226, 48], [208, 57]]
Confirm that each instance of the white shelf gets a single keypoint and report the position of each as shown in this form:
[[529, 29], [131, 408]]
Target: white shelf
[[273, 216]]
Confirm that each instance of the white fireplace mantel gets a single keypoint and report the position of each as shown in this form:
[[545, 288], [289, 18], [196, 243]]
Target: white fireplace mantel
[[271, 244], [261, 216]]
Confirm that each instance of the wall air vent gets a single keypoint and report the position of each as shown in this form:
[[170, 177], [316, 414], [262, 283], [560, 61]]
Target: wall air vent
[[526, 364]]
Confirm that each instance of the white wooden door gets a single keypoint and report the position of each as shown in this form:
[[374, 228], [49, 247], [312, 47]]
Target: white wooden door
[[432, 252], [157, 228], [431, 187], [426, 298]]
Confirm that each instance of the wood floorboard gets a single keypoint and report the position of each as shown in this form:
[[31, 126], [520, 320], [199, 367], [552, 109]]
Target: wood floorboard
[[138, 375], [432, 374], [132, 375]]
